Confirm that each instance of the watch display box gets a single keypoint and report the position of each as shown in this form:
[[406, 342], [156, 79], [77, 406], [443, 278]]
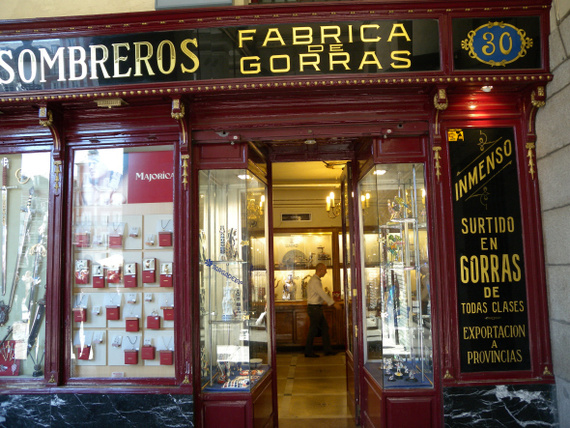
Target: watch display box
[[395, 288]]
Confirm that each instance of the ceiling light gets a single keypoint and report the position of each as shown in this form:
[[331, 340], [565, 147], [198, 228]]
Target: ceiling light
[[244, 177], [486, 88], [380, 172], [310, 142]]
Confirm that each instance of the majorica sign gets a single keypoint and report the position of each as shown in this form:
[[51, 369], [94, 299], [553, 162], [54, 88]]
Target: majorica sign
[[220, 53]]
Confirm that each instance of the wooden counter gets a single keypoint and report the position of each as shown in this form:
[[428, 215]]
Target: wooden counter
[[292, 324]]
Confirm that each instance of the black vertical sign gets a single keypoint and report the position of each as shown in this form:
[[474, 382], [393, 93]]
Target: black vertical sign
[[491, 286]]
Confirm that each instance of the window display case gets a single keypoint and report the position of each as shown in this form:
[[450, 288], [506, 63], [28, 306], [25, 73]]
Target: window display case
[[25, 195], [233, 276], [122, 306], [395, 282]]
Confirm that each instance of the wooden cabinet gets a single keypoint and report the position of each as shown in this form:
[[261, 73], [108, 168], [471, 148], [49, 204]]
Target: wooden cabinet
[[292, 324]]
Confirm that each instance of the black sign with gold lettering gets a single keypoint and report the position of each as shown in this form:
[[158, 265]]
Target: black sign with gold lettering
[[491, 286], [372, 47], [497, 43]]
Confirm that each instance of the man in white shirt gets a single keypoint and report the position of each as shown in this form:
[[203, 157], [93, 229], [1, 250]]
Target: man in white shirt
[[316, 296]]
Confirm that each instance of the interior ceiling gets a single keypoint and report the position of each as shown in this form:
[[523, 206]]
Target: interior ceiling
[[309, 162], [307, 174]]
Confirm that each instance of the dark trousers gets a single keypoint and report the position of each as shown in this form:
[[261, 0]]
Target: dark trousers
[[318, 323]]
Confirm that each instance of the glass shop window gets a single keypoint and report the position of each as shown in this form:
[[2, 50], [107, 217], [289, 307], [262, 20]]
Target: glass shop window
[[25, 194], [122, 304], [398, 349], [234, 321]]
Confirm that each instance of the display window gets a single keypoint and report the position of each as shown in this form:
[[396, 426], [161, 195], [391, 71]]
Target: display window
[[24, 234], [395, 276], [122, 299], [233, 278]]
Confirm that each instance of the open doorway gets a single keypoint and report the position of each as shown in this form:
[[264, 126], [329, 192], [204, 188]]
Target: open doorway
[[307, 230]]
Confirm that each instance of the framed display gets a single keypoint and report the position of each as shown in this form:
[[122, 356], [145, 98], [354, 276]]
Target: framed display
[[117, 291]]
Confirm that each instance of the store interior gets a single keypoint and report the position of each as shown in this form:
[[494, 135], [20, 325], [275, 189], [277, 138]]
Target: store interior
[[311, 391]]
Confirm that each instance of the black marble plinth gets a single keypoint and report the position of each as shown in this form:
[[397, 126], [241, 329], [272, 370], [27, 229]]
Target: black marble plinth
[[500, 406], [97, 410]]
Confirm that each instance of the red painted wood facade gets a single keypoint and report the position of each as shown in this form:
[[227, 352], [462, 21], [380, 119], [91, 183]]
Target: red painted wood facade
[[380, 118]]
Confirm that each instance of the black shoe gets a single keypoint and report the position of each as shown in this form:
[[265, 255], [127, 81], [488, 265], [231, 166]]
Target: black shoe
[[312, 355], [330, 353]]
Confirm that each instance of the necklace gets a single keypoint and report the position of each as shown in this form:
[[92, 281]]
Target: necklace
[[167, 345], [165, 225], [132, 342]]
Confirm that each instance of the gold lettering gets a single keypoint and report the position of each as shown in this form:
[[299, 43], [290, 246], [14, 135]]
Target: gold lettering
[[244, 35], [405, 61], [140, 58], [401, 33], [374, 60], [273, 35], [252, 63], [309, 60], [334, 33], [117, 59], [160, 57], [280, 70], [365, 39], [189, 54], [302, 39], [341, 58]]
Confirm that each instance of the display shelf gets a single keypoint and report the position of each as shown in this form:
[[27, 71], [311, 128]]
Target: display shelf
[[397, 310], [233, 281], [296, 254]]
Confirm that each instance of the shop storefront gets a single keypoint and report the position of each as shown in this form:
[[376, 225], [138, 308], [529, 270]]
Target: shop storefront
[[139, 238]]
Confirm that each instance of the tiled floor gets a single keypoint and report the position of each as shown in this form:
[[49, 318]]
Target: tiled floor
[[312, 391]]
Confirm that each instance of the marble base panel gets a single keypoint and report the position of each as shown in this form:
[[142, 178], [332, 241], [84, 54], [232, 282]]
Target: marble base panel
[[97, 410], [500, 406]]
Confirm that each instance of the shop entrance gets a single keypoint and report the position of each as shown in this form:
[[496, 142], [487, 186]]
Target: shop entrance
[[310, 225]]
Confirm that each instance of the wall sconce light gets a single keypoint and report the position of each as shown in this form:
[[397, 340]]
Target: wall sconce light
[[333, 208], [365, 201], [255, 210]]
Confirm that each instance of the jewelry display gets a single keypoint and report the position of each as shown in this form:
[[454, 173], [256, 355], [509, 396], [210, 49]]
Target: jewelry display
[[166, 274], [153, 321], [149, 271], [148, 352], [166, 355], [98, 276], [116, 231], [114, 275], [80, 309], [165, 234], [129, 222], [132, 353], [130, 276]]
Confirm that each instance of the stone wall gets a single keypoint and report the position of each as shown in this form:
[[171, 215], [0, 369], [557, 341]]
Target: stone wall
[[553, 155]]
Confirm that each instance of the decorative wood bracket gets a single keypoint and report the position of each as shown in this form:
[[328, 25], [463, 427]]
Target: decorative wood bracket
[[440, 102], [51, 120], [536, 100], [178, 113], [547, 372], [185, 170], [447, 375]]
